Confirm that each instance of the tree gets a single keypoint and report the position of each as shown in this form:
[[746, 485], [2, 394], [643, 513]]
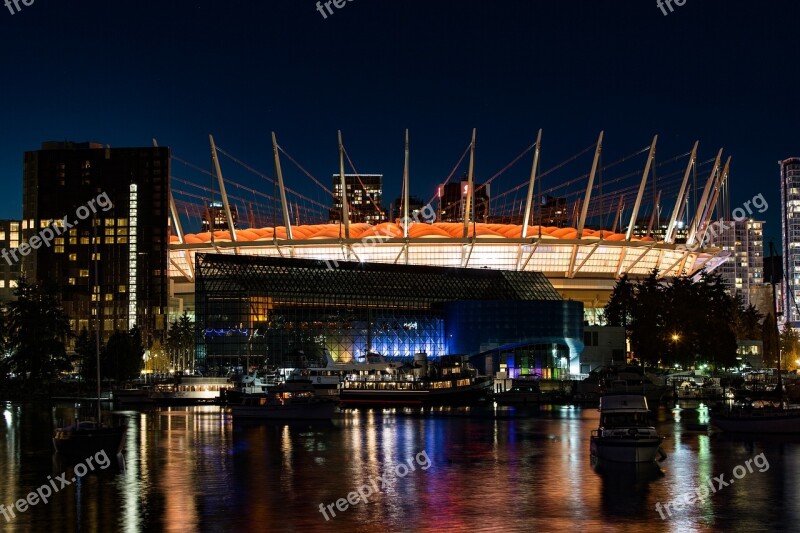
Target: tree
[[648, 333], [683, 320], [789, 343], [157, 362], [121, 358], [36, 331], [620, 307], [180, 342], [717, 340]]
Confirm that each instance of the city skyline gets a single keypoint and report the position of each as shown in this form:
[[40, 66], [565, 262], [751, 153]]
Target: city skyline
[[683, 96]]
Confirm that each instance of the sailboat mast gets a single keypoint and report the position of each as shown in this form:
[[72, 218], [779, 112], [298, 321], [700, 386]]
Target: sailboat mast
[[775, 311]]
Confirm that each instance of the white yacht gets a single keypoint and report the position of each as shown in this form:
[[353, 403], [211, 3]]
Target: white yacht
[[626, 433]]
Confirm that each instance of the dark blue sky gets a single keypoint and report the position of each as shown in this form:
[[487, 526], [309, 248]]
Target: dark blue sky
[[122, 72]]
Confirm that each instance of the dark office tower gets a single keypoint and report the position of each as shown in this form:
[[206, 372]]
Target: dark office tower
[[452, 202], [214, 217], [9, 269], [790, 218], [116, 201], [364, 197]]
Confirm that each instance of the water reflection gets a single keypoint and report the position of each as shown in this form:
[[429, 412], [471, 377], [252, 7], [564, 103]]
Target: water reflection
[[194, 469]]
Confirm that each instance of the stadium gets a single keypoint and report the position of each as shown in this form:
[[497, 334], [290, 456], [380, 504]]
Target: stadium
[[617, 218]]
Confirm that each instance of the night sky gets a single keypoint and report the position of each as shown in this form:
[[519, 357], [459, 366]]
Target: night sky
[[123, 72]]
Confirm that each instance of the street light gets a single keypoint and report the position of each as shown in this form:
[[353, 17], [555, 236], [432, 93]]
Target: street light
[[675, 339]]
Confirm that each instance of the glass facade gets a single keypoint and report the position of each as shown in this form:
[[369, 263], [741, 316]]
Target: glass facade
[[530, 337], [790, 211], [287, 311]]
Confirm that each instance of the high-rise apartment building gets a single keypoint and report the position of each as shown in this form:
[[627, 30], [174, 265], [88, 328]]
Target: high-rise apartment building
[[790, 220], [9, 269], [111, 249], [743, 272], [364, 196]]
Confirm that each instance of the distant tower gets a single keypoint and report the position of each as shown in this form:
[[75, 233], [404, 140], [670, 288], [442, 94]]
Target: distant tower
[[743, 272], [790, 220]]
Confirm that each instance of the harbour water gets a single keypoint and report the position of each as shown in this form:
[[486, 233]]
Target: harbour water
[[195, 469]]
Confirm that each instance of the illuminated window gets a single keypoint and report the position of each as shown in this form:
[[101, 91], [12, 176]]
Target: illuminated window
[[59, 249], [71, 281], [60, 240], [122, 288], [96, 256], [2, 235], [94, 297], [12, 283], [109, 240], [14, 226], [2, 284], [109, 231], [24, 224], [84, 240], [122, 240], [109, 222], [84, 273], [122, 222], [73, 257], [122, 231], [73, 240], [73, 232], [44, 223], [109, 297]]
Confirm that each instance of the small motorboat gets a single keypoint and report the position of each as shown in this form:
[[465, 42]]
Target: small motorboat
[[626, 433], [528, 394]]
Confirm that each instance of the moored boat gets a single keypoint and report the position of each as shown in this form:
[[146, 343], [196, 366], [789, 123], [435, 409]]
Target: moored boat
[[767, 413], [84, 438], [527, 394], [625, 433], [286, 402], [759, 417], [248, 385], [133, 396], [449, 381], [622, 379], [190, 391]]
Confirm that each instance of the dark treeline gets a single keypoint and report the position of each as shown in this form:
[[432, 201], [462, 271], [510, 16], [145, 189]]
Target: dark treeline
[[682, 321]]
